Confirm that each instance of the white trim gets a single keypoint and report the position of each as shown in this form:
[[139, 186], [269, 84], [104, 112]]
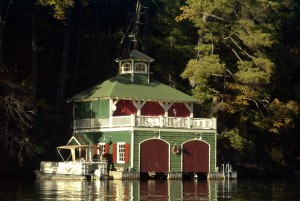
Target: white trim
[[132, 149], [118, 154], [145, 129], [138, 105], [126, 98], [102, 144], [215, 152], [73, 138], [123, 66], [139, 71], [166, 106]]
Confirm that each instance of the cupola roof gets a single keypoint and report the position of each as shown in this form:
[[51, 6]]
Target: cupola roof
[[135, 55]]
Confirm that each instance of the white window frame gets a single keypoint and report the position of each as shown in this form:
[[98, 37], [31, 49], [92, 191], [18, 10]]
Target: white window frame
[[126, 67], [121, 152], [102, 145], [139, 65]]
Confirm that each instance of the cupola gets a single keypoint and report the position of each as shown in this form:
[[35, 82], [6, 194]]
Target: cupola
[[135, 63]]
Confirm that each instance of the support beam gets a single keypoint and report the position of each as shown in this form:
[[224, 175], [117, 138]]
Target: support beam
[[190, 107], [138, 105], [166, 106]]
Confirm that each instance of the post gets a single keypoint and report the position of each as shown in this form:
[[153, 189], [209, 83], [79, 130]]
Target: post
[[161, 121], [189, 122], [132, 120], [214, 123]]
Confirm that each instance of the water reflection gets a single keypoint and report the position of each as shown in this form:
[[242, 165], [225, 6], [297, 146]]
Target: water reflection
[[267, 190], [134, 190]]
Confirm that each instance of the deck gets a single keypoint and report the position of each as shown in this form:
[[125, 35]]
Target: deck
[[146, 121]]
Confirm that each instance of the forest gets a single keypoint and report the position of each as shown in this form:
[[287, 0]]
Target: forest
[[240, 59]]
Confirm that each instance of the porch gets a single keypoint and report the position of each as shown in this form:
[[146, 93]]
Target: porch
[[146, 121]]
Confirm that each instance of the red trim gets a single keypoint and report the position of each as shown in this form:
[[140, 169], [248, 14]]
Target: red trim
[[95, 149], [106, 148], [115, 153], [127, 151]]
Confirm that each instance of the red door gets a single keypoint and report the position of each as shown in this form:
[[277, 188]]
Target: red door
[[195, 156], [154, 156]]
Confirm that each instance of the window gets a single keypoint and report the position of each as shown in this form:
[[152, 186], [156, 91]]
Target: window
[[141, 67], [121, 152], [126, 67], [102, 148]]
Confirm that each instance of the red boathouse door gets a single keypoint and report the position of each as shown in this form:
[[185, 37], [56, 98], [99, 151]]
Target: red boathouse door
[[154, 156], [195, 157]]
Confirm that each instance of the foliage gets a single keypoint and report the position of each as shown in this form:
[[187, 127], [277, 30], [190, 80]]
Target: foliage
[[236, 65], [237, 142], [166, 44], [59, 7]]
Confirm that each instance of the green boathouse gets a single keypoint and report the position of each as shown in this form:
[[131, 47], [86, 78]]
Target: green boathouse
[[142, 126]]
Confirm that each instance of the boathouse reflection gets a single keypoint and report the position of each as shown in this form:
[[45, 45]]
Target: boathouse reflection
[[136, 190]]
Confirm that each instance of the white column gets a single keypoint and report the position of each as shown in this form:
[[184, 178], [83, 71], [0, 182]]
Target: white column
[[131, 148], [166, 106], [138, 105], [132, 120], [161, 121]]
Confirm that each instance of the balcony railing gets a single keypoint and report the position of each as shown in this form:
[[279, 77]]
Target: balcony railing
[[147, 121]]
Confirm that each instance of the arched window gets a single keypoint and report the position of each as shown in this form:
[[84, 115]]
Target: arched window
[[126, 67], [141, 67]]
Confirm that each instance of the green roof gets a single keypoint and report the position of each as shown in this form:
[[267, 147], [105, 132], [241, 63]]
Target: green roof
[[121, 87]]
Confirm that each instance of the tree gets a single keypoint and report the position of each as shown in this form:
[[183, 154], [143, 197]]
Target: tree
[[235, 66], [167, 40], [17, 107]]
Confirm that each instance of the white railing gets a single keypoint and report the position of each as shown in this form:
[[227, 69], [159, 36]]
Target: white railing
[[147, 121]]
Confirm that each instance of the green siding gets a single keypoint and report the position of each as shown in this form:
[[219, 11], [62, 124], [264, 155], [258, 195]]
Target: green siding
[[140, 78], [95, 109], [114, 137], [172, 138], [100, 109], [111, 138]]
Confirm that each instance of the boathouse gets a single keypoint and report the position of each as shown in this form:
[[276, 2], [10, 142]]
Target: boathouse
[[142, 126]]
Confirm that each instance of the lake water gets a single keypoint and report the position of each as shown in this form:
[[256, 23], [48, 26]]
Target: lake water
[[275, 190]]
